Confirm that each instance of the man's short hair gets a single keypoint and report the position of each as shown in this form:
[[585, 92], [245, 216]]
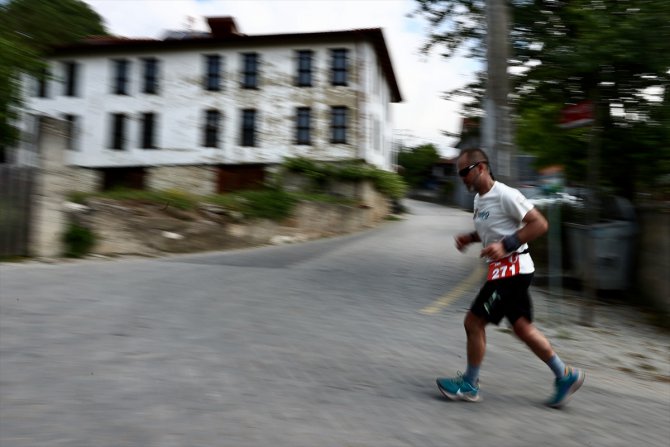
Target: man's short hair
[[474, 155]]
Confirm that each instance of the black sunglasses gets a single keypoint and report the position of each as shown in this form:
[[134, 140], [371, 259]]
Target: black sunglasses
[[465, 171]]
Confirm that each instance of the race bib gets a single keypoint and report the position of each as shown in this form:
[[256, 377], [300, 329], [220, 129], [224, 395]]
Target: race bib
[[504, 268]]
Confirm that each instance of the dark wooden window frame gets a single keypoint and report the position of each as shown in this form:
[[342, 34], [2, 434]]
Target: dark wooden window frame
[[304, 68], [249, 118], [250, 63], [212, 128], [303, 123], [151, 67], [213, 64], [339, 66], [339, 124]]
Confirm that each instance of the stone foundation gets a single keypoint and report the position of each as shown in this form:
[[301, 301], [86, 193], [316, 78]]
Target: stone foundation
[[197, 180]]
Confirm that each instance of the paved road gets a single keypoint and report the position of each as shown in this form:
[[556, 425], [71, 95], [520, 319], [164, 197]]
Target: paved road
[[328, 343]]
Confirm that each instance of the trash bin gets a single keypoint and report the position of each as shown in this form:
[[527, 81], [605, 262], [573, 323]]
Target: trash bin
[[613, 243]]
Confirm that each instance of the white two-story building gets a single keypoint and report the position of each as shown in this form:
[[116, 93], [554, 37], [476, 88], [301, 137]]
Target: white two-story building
[[218, 108]]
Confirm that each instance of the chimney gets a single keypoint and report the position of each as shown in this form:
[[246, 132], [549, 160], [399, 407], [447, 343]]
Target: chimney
[[223, 26]]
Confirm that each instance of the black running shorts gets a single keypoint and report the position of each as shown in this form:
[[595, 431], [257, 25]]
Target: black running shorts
[[507, 297]]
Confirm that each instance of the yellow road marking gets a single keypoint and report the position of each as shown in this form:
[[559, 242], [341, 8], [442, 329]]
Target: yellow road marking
[[454, 293]]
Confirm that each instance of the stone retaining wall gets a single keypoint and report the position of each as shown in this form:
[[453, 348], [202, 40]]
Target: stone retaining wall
[[197, 180], [54, 181], [150, 230]]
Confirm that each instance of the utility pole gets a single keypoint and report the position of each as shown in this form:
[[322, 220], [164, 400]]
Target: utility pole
[[497, 134]]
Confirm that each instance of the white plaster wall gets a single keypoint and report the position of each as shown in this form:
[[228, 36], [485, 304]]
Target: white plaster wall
[[376, 121], [182, 101]]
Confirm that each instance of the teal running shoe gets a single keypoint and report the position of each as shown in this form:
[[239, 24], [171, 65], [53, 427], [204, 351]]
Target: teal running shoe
[[565, 387], [458, 389]]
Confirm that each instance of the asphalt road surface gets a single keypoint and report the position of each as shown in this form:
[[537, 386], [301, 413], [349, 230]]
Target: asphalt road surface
[[327, 343]]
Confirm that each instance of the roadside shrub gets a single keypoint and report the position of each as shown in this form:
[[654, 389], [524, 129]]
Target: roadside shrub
[[78, 197], [389, 183], [273, 204], [78, 241], [386, 182]]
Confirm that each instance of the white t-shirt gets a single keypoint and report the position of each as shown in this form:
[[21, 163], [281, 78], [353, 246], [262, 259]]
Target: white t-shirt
[[499, 213]]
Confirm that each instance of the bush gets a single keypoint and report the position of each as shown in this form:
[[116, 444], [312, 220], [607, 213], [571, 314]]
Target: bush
[[271, 204], [78, 240], [386, 182]]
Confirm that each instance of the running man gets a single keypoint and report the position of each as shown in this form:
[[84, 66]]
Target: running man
[[505, 221]]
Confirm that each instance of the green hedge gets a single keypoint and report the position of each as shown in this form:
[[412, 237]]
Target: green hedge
[[386, 182]]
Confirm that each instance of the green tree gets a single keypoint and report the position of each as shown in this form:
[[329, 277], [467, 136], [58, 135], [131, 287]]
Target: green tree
[[41, 24], [608, 51], [15, 58], [417, 163], [28, 28]]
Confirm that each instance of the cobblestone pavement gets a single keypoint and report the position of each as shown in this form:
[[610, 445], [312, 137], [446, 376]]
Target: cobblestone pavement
[[318, 344]]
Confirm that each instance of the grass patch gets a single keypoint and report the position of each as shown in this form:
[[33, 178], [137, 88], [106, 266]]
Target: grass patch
[[324, 198], [170, 197], [15, 259], [271, 204]]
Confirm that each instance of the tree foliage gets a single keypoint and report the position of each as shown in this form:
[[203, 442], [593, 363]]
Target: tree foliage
[[28, 28], [41, 24], [14, 59], [612, 52], [417, 163]]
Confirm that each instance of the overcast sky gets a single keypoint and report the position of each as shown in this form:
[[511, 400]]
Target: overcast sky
[[421, 79]]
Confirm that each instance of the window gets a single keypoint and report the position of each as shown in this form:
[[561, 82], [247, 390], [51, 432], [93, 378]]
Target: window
[[148, 136], [43, 83], [250, 70], [211, 131], [213, 72], [339, 66], [304, 78], [71, 131], [248, 127], [71, 71], [121, 67], [338, 124], [150, 75], [303, 125], [117, 140]]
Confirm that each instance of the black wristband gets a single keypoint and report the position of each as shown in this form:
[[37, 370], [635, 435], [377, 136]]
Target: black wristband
[[474, 236], [511, 243]]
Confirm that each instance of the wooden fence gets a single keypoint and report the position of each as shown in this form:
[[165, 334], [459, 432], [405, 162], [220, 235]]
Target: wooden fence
[[16, 187]]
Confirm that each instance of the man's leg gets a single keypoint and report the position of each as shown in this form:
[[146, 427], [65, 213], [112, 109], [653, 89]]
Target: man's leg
[[533, 338], [475, 330], [568, 380], [464, 387]]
